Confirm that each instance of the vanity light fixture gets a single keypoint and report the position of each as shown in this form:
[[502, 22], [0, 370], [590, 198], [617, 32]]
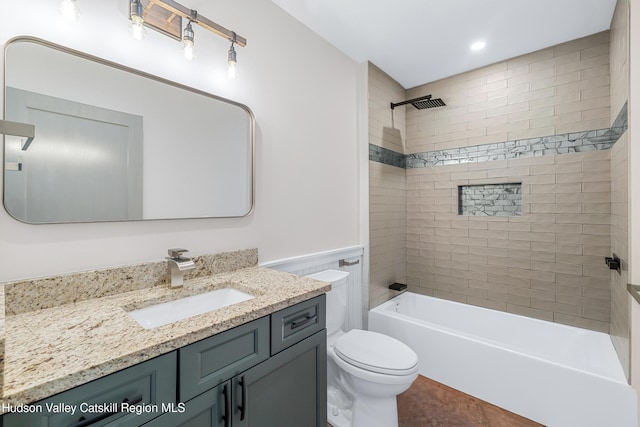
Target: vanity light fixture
[[165, 16], [188, 37], [69, 10], [137, 20]]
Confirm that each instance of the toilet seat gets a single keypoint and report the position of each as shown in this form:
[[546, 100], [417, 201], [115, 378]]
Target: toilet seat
[[375, 352]]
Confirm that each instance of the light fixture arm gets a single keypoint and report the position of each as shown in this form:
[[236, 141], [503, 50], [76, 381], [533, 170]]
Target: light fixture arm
[[204, 22]]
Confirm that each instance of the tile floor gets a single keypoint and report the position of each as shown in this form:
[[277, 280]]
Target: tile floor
[[431, 404]]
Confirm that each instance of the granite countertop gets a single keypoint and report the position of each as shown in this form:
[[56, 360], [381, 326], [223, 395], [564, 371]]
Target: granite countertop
[[54, 349]]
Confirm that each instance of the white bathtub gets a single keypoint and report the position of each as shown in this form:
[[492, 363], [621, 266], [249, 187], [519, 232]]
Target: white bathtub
[[554, 374]]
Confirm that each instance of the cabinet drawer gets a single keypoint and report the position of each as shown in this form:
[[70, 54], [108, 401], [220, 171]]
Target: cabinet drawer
[[209, 362], [295, 323], [144, 388]]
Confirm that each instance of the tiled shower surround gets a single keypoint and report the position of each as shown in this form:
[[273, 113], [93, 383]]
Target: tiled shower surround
[[619, 66], [547, 263], [541, 120]]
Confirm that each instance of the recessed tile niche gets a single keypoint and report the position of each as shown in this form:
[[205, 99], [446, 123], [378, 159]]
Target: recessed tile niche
[[490, 200]]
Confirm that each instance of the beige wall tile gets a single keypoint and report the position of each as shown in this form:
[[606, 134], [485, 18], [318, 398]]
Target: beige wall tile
[[555, 81], [545, 263], [554, 247], [524, 97], [584, 197], [581, 322], [584, 125], [388, 185], [508, 225], [619, 71], [530, 312]]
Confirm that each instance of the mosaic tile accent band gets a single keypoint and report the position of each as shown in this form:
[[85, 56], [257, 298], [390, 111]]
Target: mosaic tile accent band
[[601, 139], [490, 200], [386, 156], [575, 142], [622, 120]]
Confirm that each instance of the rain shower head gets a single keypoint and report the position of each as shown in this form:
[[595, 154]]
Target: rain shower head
[[421, 103]]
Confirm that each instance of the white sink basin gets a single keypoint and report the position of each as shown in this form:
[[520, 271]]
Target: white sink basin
[[172, 311]]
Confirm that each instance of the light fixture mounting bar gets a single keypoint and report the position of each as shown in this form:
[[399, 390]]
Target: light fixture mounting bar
[[180, 10]]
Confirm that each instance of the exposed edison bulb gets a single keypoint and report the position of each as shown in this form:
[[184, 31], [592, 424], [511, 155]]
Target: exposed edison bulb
[[232, 69], [189, 50], [69, 10], [188, 46], [137, 29]]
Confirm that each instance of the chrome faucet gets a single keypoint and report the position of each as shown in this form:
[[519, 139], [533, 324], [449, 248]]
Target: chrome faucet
[[178, 265]]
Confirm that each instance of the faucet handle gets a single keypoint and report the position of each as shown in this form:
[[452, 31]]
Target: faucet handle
[[176, 252]]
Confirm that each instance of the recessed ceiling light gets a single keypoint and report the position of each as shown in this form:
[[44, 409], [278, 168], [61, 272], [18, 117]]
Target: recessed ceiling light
[[479, 45]]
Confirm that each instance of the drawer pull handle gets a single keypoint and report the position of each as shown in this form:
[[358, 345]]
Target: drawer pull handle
[[243, 402], [227, 406], [83, 422], [300, 323]]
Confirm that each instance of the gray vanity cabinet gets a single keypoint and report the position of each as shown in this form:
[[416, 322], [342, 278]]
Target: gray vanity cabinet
[[270, 372], [252, 386], [287, 390]]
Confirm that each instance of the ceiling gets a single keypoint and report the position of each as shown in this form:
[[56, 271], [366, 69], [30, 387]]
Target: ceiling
[[419, 41]]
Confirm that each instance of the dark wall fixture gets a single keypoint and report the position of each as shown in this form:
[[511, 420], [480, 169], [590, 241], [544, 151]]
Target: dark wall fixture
[[613, 263], [421, 103], [397, 287]]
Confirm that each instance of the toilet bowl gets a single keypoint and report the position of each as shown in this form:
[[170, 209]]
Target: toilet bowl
[[366, 370]]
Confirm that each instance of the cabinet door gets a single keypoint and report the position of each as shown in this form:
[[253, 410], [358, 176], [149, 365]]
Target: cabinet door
[[209, 409], [287, 390]]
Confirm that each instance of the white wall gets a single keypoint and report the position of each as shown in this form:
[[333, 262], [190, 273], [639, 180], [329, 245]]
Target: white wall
[[303, 94]]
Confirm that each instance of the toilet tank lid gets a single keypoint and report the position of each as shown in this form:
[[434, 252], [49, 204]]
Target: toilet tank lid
[[331, 276]]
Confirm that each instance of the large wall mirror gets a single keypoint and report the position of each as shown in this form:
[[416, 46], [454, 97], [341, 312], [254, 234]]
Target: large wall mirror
[[115, 144]]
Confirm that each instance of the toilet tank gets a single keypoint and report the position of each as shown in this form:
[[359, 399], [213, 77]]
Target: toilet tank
[[336, 298]]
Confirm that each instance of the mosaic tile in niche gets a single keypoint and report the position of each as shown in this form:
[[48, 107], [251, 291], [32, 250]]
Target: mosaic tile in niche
[[490, 200]]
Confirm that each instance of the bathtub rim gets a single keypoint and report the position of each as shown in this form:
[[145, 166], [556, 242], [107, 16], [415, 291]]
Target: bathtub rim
[[387, 307]]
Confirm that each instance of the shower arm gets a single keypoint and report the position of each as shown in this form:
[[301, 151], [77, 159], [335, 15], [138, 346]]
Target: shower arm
[[422, 98]]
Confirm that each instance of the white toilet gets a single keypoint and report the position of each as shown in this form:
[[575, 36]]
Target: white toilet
[[365, 370]]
